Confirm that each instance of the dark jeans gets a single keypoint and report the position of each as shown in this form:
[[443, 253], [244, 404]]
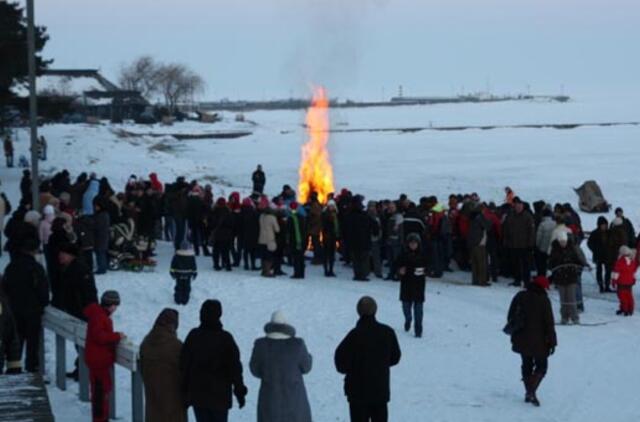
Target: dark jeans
[[603, 269], [298, 263], [182, 290], [249, 257], [531, 365], [102, 261], [417, 315], [210, 415], [169, 228], [360, 264], [317, 249], [368, 412], [494, 262], [28, 327], [437, 254], [521, 269], [197, 236], [87, 257], [542, 260], [221, 250], [329, 255], [181, 231]]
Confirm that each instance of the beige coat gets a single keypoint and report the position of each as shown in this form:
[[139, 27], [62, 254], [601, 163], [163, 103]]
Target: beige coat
[[268, 229]]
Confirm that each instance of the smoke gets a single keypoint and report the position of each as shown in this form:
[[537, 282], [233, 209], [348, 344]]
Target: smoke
[[329, 50]]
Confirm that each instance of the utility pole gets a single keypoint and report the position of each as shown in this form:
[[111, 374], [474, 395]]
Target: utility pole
[[33, 106]]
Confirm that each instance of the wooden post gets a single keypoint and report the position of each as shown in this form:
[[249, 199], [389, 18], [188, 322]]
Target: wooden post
[[137, 397], [83, 376], [61, 362], [42, 354], [112, 396]]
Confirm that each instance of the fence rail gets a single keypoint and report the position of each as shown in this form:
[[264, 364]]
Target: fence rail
[[70, 329]]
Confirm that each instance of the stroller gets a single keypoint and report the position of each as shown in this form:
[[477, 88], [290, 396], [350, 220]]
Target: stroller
[[126, 251]]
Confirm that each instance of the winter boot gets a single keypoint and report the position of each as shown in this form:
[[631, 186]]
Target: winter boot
[[266, 268], [534, 383]]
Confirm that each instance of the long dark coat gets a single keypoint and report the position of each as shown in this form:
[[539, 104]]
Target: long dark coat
[[538, 334], [78, 288], [413, 282], [250, 227], [160, 362], [280, 364], [365, 356], [565, 264], [211, 367]]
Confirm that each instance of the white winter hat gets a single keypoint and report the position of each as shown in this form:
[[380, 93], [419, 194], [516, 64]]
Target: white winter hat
[[278, 318], [32, 217], [49, 210], [627, 251]]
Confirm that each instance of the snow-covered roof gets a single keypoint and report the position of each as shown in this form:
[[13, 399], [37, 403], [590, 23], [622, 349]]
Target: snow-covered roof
[[68, 83]]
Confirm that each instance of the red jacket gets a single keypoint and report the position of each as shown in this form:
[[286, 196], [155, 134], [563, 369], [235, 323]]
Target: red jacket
[[624, 272], [101, 342]]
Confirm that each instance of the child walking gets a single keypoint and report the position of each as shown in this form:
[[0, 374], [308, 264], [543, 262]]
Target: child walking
[[183, 270], [624, 277]]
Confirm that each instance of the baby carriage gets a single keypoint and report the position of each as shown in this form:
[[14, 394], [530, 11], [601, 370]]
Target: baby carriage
[[126, 251]]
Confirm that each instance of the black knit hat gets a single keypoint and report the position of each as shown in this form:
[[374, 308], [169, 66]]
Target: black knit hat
[[367, 306], [109, 298]]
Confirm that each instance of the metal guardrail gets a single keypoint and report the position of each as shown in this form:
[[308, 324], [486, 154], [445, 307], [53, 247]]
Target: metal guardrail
[[74, 330]]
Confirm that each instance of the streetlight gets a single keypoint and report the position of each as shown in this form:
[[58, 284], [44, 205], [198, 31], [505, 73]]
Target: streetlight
[[33, 105]]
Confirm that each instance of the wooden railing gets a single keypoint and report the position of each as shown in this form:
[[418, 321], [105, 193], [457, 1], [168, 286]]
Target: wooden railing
[[74, 330]]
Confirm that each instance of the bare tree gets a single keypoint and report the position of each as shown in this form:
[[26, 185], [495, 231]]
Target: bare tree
[[141, 75], [178, 83]]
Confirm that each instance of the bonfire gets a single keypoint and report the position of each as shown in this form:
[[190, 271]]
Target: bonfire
[[316, 173]]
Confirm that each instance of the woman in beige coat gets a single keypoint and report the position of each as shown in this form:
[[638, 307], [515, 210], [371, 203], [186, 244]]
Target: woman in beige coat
[[159, 361]]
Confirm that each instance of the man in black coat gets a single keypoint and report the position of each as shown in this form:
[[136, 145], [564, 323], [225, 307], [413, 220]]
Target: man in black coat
[[9, 341], [360, 240], [78, 285], [211, 367], [365, 356], [26, 287], [535, 336], [259, 179]]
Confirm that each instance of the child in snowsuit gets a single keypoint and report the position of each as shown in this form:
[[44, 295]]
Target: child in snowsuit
[[100, 352], [623, 277], [183, 270]]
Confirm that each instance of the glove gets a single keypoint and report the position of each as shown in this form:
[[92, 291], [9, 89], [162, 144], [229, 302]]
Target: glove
[[552, 350], [240, 393]]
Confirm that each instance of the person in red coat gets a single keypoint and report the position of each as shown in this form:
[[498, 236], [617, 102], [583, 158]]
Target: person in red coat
[[100, 352], [624, 277]]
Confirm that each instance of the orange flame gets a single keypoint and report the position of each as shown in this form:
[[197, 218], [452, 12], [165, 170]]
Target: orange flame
[[316, 173]]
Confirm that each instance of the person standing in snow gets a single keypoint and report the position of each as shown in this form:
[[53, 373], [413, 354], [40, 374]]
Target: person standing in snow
[[412, 270], [8, 150], [365, 357], [360, 240], [259, 180], [624, 277], [598, 244], [519, 239], [221, 224], [102, 222], [627, 226], [477, 246], [183, 271], [280, 360], [297, 240], [100, 352], [269, 228], [330, 236], [534, 337], [565, 270], [543, 241], [9, 339], [160, 367], [249, 235], [26, 288], [89, 195], [211, 368]]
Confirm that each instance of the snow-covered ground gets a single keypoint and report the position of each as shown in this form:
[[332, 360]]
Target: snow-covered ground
[[463, 369]]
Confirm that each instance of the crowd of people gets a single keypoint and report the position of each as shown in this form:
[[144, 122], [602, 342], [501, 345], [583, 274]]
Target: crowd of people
[[84, 227]]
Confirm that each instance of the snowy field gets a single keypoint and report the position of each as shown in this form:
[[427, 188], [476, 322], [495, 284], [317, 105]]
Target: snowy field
[[463, 368]]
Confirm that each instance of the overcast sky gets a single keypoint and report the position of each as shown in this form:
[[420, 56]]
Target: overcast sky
[[361, 49]]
